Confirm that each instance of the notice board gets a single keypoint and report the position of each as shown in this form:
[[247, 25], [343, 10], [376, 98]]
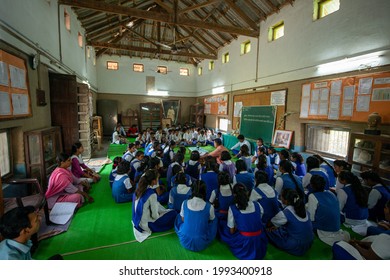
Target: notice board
[[14, 88], [216, 105], [258, 121], [347, 98]]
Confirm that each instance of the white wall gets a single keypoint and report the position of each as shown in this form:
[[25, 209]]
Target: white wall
[[126, 81], [359, 27]]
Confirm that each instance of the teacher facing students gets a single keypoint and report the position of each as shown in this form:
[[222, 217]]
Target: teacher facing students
[[219, 148]]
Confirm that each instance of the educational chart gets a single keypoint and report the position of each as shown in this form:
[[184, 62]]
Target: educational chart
[[348, 99], [216, 105], [14, 94]]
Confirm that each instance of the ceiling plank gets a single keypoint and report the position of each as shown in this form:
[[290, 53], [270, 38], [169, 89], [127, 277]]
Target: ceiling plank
[[148, 50], [198, 6], [242, 15], [164, 6], [272, 6], [115, 9], [257, 10]]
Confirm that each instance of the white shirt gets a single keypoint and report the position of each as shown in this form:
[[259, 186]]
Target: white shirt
[[266, 189], [281, 219], [181, 189], [307, 177], [197, 204], [201, 138], [127, 182], [225, 190], [115, 138], [239, 144], [374, 197]]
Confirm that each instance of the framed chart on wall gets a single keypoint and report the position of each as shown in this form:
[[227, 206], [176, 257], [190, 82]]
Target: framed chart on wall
[[171, 110], [216, 105], [15, 98]]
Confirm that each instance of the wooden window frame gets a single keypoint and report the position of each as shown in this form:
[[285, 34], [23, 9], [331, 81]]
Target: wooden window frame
[[114, 62]]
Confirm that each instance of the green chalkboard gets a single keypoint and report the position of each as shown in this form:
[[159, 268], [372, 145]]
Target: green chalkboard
[[258, 121]]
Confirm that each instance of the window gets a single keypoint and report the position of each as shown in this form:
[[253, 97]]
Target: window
[[225, 58], [67, 20], [276, 31], [322, 8], [211, 65], [245, 47], [137, 67], [184, 72], [162, 70], [5, 153], [89, 52], [223, 124], [200, 71], [326, 140], [112, 65], [80, 39]]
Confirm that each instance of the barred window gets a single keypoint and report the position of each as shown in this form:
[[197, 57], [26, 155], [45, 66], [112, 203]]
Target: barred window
[[327, 140]]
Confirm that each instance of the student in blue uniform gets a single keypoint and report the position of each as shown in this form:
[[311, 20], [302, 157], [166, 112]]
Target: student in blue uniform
[[332, 175], [300, 167], [266, 196], [246, 237], [179, 193], [193, 165], [122, 189], [135, 164], [148, 214], [243, 176], [112, 175], [129, 155], [291, 229], [383, 226], [262, 165], [324, 212], [169, 154], [246, 157], [288, 180], [313, 168], [353, 199], [340, 165], [177, 160], [227, 165], [221, 198], [196, 225], [379, 195], [210, 176], [274, 158]]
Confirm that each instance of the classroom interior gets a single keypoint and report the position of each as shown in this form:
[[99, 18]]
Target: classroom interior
[[317, 82]]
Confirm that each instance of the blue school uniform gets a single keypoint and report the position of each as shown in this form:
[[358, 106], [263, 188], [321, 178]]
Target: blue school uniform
[[228, 168], [300, 169], [167, 160], [270, 205], [272, 158], [223, 205], [246, 178], [128, 156], [330, 173], [271, 174], [196, 232], [249, 242], [351, 209], [169, 174], [248, 163], [288, 182], [174, 184], [138, 212], [178, 198], [211, 180], [119, 190], [327, 216], [132, 168], [111, 177], [376, 213], [148, 147], [296, 236], [323, 175], [192, 169]]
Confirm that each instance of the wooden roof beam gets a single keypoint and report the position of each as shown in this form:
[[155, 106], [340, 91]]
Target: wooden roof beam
[[198, 6]]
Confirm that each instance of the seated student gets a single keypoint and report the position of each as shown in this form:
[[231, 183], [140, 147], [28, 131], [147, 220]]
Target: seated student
[[266, 196], [262, 165], [274, 158], [219, 136], [259, 152], [153, 151], [288, 180], [177, 160], [122, 131], [132, 131], [340, 165], [195, 135], [176, 169], [324, 212], [300, 167], [332, 175], [196, 225], [353, 200], [379, 195], [79, 169], [148, 214], [313, 168], [210, 137], [243, 176], [140, 139], [17, 226], [122, 189], [260, 145], [221, 198], [246, 238], [210, 176], [246, 157], [129, 155], [241, 141], [383, 226], [112, 175], [62, 186], [144, 165], [202, 138], [180, 192], [117, 137], [186, 138], [193, 166], [227, 165], [291, 229], [158, 135], [376, 247], [135, 164], [168, 154]]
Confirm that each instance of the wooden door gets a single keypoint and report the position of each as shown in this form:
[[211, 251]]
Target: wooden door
[[64, 110]]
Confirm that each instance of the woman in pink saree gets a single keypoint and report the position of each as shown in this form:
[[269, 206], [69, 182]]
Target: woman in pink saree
[[63, 186]]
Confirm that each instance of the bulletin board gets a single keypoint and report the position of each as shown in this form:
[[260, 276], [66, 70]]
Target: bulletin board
[[15, 98], [348, 99], [261, 99], [216, 105]]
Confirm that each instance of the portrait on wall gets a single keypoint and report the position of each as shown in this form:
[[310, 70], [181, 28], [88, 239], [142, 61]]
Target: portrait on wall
[[171, 110], [282, 138]]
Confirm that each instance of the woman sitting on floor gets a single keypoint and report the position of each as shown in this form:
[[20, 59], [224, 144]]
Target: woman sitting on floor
[[79, 169], [148, 214], [63, 186]]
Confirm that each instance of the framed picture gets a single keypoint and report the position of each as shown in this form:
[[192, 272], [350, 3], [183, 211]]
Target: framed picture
[[171, 110], [282, 138]]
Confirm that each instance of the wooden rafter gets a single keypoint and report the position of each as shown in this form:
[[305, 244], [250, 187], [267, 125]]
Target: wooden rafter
[[238, 11], [198, 6]]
